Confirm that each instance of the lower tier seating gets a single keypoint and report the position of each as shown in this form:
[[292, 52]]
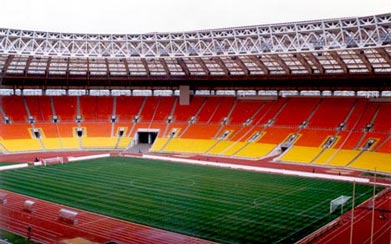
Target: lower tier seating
[[301, 154]]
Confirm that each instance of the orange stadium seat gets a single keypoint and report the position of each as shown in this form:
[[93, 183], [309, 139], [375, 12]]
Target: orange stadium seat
[[386, 146], [366, 116], [97, 129], [15, 131], [201, 131], [179, 127], [378, 137], [357, 113], [49, 130], [296, 111], [128, 107], [66, 108], [149, 109], [244, 110], [348, 140], [276, 135], [222, 110], [183, 113], [270, 110], [331, 112], [40, 107], [14, 108], [313, 138], [66, 129], [245, 133], [96, 108], [158, 109], [208, 110], [382, 121]]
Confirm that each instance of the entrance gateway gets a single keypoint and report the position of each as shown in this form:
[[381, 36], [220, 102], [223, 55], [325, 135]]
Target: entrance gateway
[[145, 136]]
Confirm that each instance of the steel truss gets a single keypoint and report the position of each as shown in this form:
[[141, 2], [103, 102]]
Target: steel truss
[[321, 35], [349, 49]]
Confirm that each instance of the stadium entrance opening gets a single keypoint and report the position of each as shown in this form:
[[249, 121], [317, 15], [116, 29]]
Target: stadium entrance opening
[[146, 137]]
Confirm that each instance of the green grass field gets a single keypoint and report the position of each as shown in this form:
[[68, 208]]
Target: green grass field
[[222, 205]]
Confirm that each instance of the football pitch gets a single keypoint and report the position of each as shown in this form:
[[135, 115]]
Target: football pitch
[[222, 205]]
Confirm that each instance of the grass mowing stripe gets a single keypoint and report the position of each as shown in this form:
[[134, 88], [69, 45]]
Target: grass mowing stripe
[[222, 205]]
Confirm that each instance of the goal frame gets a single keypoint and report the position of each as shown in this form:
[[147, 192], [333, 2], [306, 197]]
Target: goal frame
[[53, 160], [338, 202]]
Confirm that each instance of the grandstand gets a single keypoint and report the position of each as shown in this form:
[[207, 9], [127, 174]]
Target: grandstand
[[314, 93]]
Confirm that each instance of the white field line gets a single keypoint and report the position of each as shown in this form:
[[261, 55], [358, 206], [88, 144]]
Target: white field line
[[14, 166], [73, 159], [261, 169]]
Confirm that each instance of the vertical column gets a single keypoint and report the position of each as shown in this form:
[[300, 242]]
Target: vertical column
[[184, 93]]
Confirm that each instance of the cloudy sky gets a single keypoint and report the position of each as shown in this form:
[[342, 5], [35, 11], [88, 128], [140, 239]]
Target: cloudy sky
[[144, 16]]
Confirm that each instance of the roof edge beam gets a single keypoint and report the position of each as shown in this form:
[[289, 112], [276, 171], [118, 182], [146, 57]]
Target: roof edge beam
[[340, 62], [8, 63], [239, 62], [384, 54], [260, 64], [222, 65], [28, 63], [144, 62], [316, 62], [364, 59], [203, 65], [165, 66], [304, 62], [282, 64], [183, 65]]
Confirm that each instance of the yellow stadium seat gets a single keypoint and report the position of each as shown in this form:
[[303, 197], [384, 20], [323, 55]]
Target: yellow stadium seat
[[220, 147], [326, 156], [124, 142], [373, 161], [99, 142], [235, 147], [301, 154], [343, 157], [52, 143], [19, 145], [70, 143], [189, 145], [158, 144], [255, 150]]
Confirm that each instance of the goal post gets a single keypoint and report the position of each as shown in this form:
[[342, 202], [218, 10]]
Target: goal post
[[54, 160], [338, 202]]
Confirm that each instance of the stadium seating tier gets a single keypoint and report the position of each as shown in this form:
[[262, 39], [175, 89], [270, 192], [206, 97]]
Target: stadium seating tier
[[273, 122]]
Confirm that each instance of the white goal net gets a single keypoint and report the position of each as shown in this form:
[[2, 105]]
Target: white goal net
[[50, 161], [338, 202]]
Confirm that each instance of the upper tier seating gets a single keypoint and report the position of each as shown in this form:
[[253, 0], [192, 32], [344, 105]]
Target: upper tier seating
[[244, 109], [382, 121], [296, 111], [183, 113], [128, 107], [40, 108], [96, 108], [65, 108], [14, 108], [331, 112], [215, 110]]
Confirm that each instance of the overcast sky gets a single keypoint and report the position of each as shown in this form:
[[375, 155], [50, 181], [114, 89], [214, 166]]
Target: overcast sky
[[144, 16]]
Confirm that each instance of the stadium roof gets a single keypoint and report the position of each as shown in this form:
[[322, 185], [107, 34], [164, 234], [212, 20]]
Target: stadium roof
[[323, 54]]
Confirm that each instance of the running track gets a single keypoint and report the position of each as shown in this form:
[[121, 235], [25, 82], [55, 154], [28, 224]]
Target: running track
[[46, 228]]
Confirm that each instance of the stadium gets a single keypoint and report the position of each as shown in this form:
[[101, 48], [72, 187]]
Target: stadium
[[275, 133]]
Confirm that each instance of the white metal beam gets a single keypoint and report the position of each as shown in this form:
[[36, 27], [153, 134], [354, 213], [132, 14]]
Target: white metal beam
[[318, 35]]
